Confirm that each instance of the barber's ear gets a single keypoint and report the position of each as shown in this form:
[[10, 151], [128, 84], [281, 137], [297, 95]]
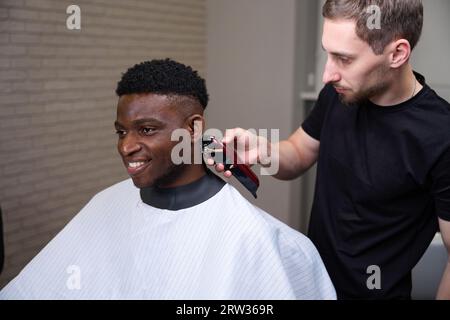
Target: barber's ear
[[195, 124], [400, 53]]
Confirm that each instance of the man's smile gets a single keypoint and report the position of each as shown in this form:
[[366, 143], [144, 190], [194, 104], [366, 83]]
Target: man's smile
[[136, 166]]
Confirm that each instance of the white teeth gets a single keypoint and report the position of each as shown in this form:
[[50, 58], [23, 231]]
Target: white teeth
[[135, 164]]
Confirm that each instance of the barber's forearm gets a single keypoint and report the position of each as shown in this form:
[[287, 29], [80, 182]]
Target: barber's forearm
[[289, 162], [444, 287]]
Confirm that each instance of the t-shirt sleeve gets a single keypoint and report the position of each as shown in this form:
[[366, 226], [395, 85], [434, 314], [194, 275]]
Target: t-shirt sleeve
[[440, 189], [313, 123]]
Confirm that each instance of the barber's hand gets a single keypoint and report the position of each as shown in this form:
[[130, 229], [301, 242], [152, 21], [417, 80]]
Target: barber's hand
[[249, 148]]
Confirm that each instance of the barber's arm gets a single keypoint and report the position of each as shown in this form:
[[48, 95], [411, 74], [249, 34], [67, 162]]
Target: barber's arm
[[297, 154], [444, 288], [294, 155]]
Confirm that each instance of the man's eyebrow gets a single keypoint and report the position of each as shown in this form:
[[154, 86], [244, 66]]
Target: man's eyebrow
[[147, 120], [141, 121], [340, 54]]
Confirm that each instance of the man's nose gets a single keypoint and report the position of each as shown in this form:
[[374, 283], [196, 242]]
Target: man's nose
[[330, 74], [129, 144]]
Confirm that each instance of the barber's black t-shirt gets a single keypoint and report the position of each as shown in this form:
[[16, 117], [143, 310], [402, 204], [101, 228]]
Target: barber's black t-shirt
[[383, 178]]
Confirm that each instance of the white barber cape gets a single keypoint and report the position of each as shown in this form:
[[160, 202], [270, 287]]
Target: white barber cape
[[118, 247]]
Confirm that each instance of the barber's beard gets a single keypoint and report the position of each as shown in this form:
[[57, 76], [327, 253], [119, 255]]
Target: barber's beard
[[378, 86], [365, 94]]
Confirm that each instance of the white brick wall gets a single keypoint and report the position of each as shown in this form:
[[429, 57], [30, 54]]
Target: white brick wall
[[57, 103]]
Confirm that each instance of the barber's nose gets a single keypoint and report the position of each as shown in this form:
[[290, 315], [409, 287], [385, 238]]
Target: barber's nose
[[330, 73], [129, 144]]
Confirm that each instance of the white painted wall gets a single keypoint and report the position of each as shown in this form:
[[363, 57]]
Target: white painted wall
[[431, 57], [250, 77]]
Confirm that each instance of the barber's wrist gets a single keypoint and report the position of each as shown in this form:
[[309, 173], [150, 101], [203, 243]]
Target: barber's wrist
[[265, 158]]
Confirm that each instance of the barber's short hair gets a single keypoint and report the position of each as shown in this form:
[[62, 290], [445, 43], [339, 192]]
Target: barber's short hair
[[400, 19], [166, 77]]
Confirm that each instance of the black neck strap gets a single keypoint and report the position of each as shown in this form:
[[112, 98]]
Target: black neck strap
[[184, 196]]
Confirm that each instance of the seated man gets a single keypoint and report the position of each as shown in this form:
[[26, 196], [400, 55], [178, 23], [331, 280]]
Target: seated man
[[171, 231]]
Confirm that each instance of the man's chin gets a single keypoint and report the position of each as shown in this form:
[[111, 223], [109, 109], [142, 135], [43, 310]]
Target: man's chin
[[347, 100], [139, 183], [352, 99], [150, 179]]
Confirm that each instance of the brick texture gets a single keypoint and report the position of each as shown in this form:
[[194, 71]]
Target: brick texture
[[57, 103]]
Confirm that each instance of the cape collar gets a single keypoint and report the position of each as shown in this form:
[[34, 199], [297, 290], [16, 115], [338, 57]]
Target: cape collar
[[185, 196]]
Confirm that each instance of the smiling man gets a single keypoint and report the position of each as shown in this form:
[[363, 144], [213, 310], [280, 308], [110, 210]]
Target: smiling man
[[155, 117], [172, 231], [381, 139]]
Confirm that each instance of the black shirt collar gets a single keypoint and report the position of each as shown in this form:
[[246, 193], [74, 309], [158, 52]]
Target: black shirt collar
[[403, 104], [185, 196]]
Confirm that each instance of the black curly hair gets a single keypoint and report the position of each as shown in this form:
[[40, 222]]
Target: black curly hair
[[163, 77]]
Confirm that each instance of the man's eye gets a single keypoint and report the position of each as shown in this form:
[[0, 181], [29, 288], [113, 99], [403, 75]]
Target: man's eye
[[344, 60], [120, 133], [147, 130]]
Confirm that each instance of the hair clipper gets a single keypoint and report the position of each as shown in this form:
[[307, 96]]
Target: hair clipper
[[242, 172]]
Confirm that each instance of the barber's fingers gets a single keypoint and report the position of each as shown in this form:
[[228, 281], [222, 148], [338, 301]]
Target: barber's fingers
[[227, 174], [247, 146], [219, 167], [231, 134], [245, 139]]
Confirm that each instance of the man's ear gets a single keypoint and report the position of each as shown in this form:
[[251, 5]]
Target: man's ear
[[195, 124], [400, 53]]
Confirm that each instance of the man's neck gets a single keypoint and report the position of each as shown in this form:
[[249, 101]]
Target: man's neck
[[185, 195], [189, 174], [403, 87]]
